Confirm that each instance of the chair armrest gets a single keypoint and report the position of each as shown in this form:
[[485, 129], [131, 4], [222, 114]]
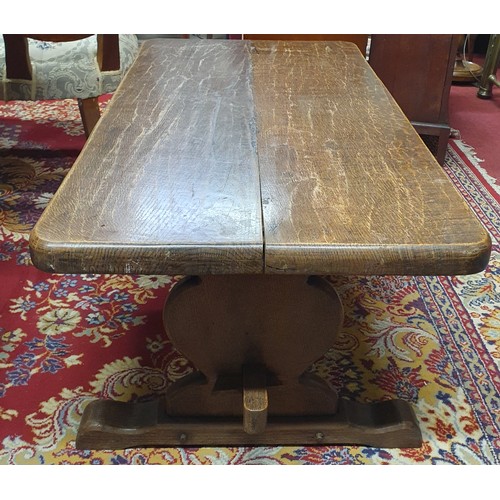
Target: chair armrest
[[108, 52], [17, 58]]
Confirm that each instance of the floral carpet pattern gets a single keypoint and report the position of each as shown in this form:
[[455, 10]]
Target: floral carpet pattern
[[68, 339]]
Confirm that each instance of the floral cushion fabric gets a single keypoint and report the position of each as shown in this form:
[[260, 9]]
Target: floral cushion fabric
[[66, 70]]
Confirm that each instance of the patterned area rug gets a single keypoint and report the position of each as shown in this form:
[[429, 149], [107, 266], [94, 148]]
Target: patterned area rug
[[66, 340]]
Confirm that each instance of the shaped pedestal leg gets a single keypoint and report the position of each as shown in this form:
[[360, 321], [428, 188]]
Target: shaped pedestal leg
[[252, 339]]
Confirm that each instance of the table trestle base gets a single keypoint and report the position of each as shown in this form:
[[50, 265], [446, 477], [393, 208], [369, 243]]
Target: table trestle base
[[116, 425], [253, 339]]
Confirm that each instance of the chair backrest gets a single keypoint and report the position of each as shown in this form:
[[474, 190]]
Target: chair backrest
[[46, 67], [18, 63]]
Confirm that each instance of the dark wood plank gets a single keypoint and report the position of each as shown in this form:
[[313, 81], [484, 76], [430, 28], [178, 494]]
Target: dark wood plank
[[168, 181], [348, 187]]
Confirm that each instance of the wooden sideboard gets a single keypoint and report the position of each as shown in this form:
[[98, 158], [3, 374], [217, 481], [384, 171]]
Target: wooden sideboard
[[417, 70]]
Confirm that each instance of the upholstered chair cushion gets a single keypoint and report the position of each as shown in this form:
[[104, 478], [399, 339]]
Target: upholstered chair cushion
[[63, 70]]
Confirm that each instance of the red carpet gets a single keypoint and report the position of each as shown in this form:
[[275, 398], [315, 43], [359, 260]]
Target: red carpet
[[66, 340], [478, 121]]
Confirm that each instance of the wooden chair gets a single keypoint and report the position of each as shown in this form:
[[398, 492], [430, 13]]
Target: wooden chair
[[44, 67]]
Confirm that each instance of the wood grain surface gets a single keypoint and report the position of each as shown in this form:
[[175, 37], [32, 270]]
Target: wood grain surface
[[360, 40], [168, 181], [347, 185], [205, 139]]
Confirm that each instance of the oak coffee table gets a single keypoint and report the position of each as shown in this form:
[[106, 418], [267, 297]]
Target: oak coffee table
[[254, 169]]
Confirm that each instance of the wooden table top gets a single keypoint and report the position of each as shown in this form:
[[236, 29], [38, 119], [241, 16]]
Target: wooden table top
[[227, 157]]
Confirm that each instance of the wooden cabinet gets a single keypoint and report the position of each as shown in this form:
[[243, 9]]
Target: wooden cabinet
[[417, 70]]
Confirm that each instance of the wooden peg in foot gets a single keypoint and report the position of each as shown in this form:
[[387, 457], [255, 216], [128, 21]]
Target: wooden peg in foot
[[255, 402]]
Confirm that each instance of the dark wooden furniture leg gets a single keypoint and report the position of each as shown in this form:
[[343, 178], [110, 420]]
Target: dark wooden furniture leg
[[253, 339], [90, 113], [442, 133]]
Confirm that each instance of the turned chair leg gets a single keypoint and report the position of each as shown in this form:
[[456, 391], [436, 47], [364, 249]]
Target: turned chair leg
[[89, 111]]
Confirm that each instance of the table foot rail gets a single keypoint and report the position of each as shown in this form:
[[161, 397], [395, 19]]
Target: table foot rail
[[117, 425]]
